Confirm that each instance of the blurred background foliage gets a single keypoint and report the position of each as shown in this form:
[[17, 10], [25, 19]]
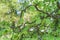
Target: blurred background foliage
[[29, 20]]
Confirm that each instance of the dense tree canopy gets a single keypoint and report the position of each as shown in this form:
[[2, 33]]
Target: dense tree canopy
[[30, 19]]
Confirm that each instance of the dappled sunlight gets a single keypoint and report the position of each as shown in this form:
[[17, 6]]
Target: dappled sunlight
[[29, 20]]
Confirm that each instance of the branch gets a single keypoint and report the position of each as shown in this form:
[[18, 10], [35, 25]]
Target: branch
[[54, 15], [48, 14], [25, 10], [42, 11], [58, 4]]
